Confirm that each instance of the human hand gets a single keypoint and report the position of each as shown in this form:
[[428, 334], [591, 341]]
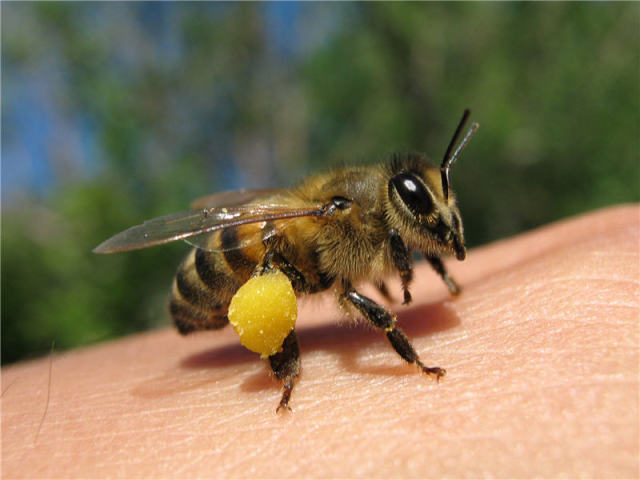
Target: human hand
[[541, 350]]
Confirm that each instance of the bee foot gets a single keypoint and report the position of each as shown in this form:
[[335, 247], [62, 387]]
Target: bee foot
[[437, 371], [407, 298], [283, 407], [453, 287]]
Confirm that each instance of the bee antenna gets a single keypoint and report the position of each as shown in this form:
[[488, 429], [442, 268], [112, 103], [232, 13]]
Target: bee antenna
[[449, 159]]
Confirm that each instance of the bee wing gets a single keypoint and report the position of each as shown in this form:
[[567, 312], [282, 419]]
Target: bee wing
[[203, 241], [233, 198], [184, 225]]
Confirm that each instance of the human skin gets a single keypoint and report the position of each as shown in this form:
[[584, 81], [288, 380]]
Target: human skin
[[541, 350]]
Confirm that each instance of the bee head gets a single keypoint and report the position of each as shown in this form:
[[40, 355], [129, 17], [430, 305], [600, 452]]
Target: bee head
[[421, 204]]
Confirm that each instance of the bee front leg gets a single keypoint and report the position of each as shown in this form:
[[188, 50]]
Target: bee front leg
[[438, 266], [286, 366], [382, 319], [402, 261]]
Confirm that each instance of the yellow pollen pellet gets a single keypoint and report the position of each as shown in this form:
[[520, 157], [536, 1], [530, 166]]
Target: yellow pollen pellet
[[263, 312]]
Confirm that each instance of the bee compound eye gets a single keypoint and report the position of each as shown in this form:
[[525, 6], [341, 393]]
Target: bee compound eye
[[412, 192]]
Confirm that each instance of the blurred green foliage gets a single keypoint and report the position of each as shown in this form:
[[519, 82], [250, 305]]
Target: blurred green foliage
[[181, 100]]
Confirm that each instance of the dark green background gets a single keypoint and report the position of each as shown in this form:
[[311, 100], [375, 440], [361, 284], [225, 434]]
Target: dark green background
[[186, 99]]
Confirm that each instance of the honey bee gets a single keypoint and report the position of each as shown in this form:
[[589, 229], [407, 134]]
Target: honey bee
[[334, 230]]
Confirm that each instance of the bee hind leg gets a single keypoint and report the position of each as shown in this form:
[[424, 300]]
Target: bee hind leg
[[382, 319], [286, 367]]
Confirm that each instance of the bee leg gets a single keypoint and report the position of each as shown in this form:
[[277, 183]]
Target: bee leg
[[402, 261], [438, 266], [273, 260], [384, 291], [381, 318], [286, 366], [295, 276]]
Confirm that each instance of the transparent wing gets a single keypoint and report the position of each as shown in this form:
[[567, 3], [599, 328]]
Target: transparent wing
[[184, 225], [233, 198], [246, 240]]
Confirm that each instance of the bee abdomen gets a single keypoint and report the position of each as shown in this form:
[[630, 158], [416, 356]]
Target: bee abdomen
[[215, 273], [189, 319], [201, 292], [237, 259], [208, 278], [195, 292]]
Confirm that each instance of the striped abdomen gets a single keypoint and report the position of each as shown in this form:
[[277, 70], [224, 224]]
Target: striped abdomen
[[207, 279]]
